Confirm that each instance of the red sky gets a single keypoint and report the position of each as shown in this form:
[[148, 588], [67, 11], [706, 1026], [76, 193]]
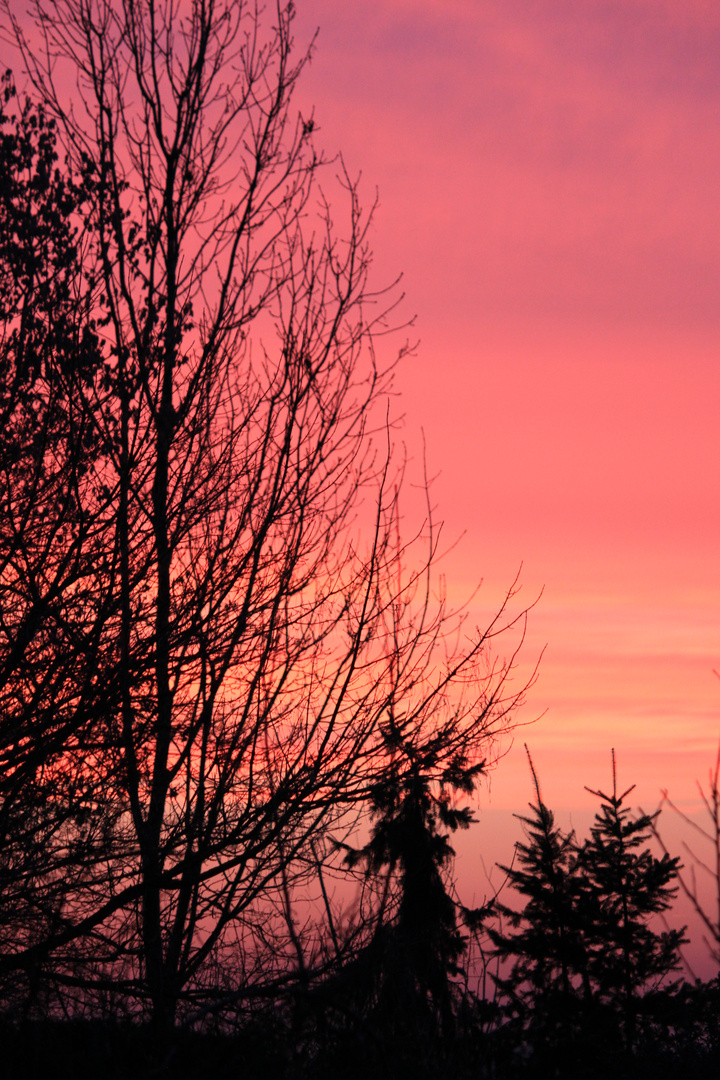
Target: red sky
[[548, 176]]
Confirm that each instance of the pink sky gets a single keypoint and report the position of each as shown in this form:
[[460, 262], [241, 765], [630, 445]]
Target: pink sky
[[548, 173], [548, 177]]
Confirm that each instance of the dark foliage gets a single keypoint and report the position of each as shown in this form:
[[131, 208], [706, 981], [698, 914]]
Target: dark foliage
[[546, 990], [52, 601], [624, 886], [394, 1003], [588, 975]]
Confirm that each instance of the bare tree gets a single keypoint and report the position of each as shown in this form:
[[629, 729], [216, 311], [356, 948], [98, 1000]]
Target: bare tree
[[708, 863], [257, 635]]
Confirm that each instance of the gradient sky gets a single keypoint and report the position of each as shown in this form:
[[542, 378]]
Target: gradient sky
[[548, 176]]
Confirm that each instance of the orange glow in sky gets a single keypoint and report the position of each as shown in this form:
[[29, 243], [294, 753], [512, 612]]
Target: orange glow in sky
[[548, 180]]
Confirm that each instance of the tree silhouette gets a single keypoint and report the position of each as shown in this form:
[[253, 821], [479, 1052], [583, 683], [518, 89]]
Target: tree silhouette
[[625, 886], [242, 624], [545, 942], [51, 604], [423, 935], [582, 950], [401, 979], [708, 863]]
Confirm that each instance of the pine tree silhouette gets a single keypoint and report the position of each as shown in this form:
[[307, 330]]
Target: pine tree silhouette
[[545, 941], [580, 963], [417, 948], [625, 885]]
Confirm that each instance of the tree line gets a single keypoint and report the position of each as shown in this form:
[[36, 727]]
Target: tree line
[[229, 686]]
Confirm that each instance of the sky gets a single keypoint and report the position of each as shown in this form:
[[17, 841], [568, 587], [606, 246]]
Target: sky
[[548, 174]]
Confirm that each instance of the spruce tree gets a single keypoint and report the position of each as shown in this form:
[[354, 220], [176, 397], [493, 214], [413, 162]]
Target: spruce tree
[[414, 953], [625, 885], [580, 962], [544, 942]]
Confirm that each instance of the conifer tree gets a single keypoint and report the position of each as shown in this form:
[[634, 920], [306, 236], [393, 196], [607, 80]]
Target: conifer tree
[[583, 954], [625, 885], [417, 942], [544, 941]]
